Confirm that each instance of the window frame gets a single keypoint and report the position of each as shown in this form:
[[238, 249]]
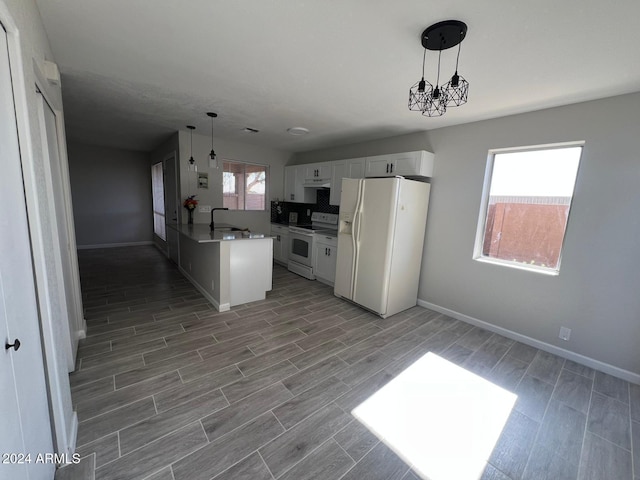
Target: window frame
[[244, 173], [484, 207]]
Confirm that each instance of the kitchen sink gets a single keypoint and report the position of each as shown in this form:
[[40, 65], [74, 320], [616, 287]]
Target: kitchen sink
[[229, 229]]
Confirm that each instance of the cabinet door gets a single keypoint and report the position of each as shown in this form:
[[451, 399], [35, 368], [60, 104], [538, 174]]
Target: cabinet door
[[378, 166], [284, 246], [289, 183], [317, 171], [310, 171], [406, 164], [277, 248], [294, 190], [325, 260], [324, 169], [419, 163], [356, 167], [338, 172]]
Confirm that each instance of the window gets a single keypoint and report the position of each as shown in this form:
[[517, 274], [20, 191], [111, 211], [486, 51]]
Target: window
[[244, 186], [525, 206], [157, 186]]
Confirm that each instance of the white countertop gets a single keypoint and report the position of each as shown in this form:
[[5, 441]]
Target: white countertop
[[201, 233]]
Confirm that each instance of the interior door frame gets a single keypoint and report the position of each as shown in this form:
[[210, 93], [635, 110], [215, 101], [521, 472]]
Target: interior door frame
[[23, 128], [170, 231], [79, 327], [63, 420]]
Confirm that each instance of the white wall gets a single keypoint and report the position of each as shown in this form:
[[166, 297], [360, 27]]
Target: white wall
[[596, 293], [228, 150], [112, 198]]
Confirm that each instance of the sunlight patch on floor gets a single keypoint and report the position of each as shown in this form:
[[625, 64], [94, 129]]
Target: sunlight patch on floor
[[441, 419]]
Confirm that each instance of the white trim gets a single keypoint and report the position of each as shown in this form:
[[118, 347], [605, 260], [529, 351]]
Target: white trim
[[53, 99], [50, 199], [72, 434], [221, 307], [25, 139], [115, 245], [547, 347]]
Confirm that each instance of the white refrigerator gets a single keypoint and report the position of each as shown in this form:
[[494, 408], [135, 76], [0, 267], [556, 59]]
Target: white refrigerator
[[380, 239]]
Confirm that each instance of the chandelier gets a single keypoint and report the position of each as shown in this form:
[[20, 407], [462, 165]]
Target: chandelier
[[213, 160], [423, 96]]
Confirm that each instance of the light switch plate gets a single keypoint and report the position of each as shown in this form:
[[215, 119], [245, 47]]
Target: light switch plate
[[204, 209]]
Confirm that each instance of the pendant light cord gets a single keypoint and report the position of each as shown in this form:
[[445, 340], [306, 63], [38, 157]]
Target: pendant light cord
[[424, 57], [438, 79], [458, 57]]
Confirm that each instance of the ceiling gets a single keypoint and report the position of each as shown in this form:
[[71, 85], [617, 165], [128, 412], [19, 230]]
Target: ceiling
[[133, 72]]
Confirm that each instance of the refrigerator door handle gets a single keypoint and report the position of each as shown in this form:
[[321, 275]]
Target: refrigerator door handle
[[355, 236]]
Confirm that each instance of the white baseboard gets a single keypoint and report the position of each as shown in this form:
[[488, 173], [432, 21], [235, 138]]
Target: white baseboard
[[82, 333], [221, 307], [547, 347], [114, 245]]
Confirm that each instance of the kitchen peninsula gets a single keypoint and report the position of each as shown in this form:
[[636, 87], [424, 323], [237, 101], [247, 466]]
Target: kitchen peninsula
[[229, 266]]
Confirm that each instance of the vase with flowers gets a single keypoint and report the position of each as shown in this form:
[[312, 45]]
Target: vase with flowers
[[190, 204]]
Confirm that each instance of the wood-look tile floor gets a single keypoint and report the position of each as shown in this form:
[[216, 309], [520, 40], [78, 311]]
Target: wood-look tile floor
[[167, 388]]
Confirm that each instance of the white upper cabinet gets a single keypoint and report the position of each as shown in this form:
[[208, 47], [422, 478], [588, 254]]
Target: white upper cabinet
[[301, 181], [294, 191], [418, 163], [351, 168], [317, 173]]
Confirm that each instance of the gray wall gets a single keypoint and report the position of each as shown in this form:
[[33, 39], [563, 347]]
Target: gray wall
[[111, 192], [597, 292], [402, 143]]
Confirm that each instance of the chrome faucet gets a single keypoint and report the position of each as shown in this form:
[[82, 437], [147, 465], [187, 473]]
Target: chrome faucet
[[213, 210]]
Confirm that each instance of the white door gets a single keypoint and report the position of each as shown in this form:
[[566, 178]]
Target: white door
[[375, 222], [171, 207], [70, 277], [26, 427]]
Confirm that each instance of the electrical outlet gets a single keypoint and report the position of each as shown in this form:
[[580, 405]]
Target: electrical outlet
[[189, 266], [308, 212], [204, 209], [565, 333]]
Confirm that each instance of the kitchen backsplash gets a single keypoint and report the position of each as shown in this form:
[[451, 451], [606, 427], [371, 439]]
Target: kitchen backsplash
[[321, 205]]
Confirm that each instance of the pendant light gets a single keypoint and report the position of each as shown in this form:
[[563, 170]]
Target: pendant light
[[213, 161], [192, 163], [423, 96]]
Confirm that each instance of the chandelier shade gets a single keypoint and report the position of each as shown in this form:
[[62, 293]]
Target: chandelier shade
[[430, 100], [192, 163]]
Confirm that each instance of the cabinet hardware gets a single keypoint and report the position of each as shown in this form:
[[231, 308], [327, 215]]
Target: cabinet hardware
[[15, 345], [392, 168], [387, 168]]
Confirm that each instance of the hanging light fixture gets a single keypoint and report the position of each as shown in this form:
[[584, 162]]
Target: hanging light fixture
[[192, 163], [213, 162], [423, 96]]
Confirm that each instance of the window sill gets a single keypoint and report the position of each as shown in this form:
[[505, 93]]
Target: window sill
[[519, 266]]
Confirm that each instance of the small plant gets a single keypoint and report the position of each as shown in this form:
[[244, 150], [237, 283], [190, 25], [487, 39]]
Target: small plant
[[190, 203]]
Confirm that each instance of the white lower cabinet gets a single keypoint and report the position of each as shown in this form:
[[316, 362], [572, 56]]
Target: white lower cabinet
[[325, 253], [280, 234]]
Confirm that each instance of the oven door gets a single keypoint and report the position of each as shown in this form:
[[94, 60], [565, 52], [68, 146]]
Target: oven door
[[301, 248]]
